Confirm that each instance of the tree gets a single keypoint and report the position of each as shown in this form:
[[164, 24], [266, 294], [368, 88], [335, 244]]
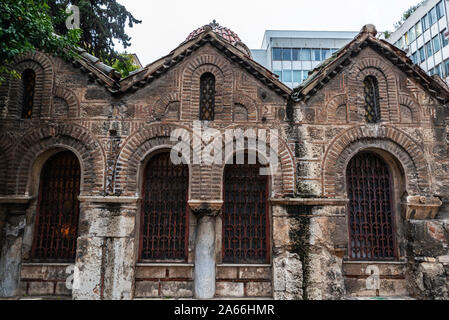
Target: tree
[[125, 65], [102, 22], [27, 25], [407, 14]]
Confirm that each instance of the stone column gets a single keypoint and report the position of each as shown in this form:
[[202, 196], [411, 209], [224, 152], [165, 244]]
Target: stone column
[[11, 251], [106, 249], [205, 260]]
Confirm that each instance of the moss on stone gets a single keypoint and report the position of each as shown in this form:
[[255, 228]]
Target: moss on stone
[[300, 238]]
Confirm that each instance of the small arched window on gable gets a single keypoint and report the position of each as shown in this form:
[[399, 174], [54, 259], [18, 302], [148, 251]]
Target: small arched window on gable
[[207, 97], [372, 100], [28, 85]]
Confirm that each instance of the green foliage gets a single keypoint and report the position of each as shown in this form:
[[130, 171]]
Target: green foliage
[[387, 34], [407, 14], [125, 65], [102, 23], [27, 25]]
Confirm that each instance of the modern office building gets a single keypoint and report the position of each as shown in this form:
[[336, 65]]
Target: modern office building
[[424, 36], [292, 54]]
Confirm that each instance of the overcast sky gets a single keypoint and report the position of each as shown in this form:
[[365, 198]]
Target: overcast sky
[[167, 23]]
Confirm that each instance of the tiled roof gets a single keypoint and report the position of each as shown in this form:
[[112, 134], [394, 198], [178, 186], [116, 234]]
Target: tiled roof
[[224, 32], [329, 68]]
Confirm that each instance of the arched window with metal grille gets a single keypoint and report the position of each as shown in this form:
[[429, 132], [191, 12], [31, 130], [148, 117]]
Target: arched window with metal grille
[[56, 227], [207, 97], [370, 209], [372, 99], [246, 227], [165, 214], [28, 88]]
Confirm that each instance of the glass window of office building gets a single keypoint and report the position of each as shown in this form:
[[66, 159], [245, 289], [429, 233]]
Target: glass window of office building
[[426, 40], [302, 61]]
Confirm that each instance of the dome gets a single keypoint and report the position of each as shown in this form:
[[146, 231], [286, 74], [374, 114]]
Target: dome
[[229, 35], [226, 33]]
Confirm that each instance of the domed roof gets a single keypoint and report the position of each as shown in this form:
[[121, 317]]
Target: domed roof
[[224, 32]]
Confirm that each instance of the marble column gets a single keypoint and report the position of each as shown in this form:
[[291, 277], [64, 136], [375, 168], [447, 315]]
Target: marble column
[[205, 256]]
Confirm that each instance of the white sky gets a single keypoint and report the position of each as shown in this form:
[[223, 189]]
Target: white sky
[[167, 23]]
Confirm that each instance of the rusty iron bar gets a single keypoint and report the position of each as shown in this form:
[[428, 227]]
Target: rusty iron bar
[[56, 226], [246, 231], [165, 217], [370, 208], [207, 97]]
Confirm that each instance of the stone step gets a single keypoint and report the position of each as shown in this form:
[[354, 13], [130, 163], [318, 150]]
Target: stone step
[[393, 298]]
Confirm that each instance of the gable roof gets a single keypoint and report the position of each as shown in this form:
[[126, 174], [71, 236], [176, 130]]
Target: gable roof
[[329, 68], [145, 76], [97, 71]]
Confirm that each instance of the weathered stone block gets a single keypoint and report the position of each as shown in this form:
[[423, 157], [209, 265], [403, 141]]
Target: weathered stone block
[[44, 272], [180, 272], [288, 277], [255, 273], [62, 290], [259, 289], [281, 237], [230, 289], [385, 269], [41, 288], [146, 289], [89, 263], [151, 272], [388, 288], [177, 289], [226, 273]]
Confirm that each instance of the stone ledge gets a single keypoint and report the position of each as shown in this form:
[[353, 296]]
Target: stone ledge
[[108, 199], [16, 199], [310, 202]]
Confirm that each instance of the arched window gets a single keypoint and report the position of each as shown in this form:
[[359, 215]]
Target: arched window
[[57, 215], [246, 230], [372, 107], [370, 209], [165, 219], [207, 97], [28, 85]]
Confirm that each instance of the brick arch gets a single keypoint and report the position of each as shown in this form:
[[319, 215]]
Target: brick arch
[[284, 180], [136, 149], [160, 106], [406, 100], [42, 65], [67, 136], [387, 84], [6, 146], [71, 100], [222, 71], [249, 104], [402, 147], [333, 104]]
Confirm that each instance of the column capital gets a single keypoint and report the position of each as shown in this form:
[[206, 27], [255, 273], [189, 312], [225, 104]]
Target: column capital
[[206, 208]]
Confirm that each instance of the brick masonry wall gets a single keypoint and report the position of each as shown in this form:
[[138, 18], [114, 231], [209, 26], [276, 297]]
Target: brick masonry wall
[[113, 136]]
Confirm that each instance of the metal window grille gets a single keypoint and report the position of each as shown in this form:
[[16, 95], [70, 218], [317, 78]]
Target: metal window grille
[[245, 217], [372, 106], [370, 208], [207, 97], [29, 83], [164, 233], [56, 229]]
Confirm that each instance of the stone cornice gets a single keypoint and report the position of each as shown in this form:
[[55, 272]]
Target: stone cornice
[[309, 202]]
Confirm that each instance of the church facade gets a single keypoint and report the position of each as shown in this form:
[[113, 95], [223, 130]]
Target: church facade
[[343, 190]]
